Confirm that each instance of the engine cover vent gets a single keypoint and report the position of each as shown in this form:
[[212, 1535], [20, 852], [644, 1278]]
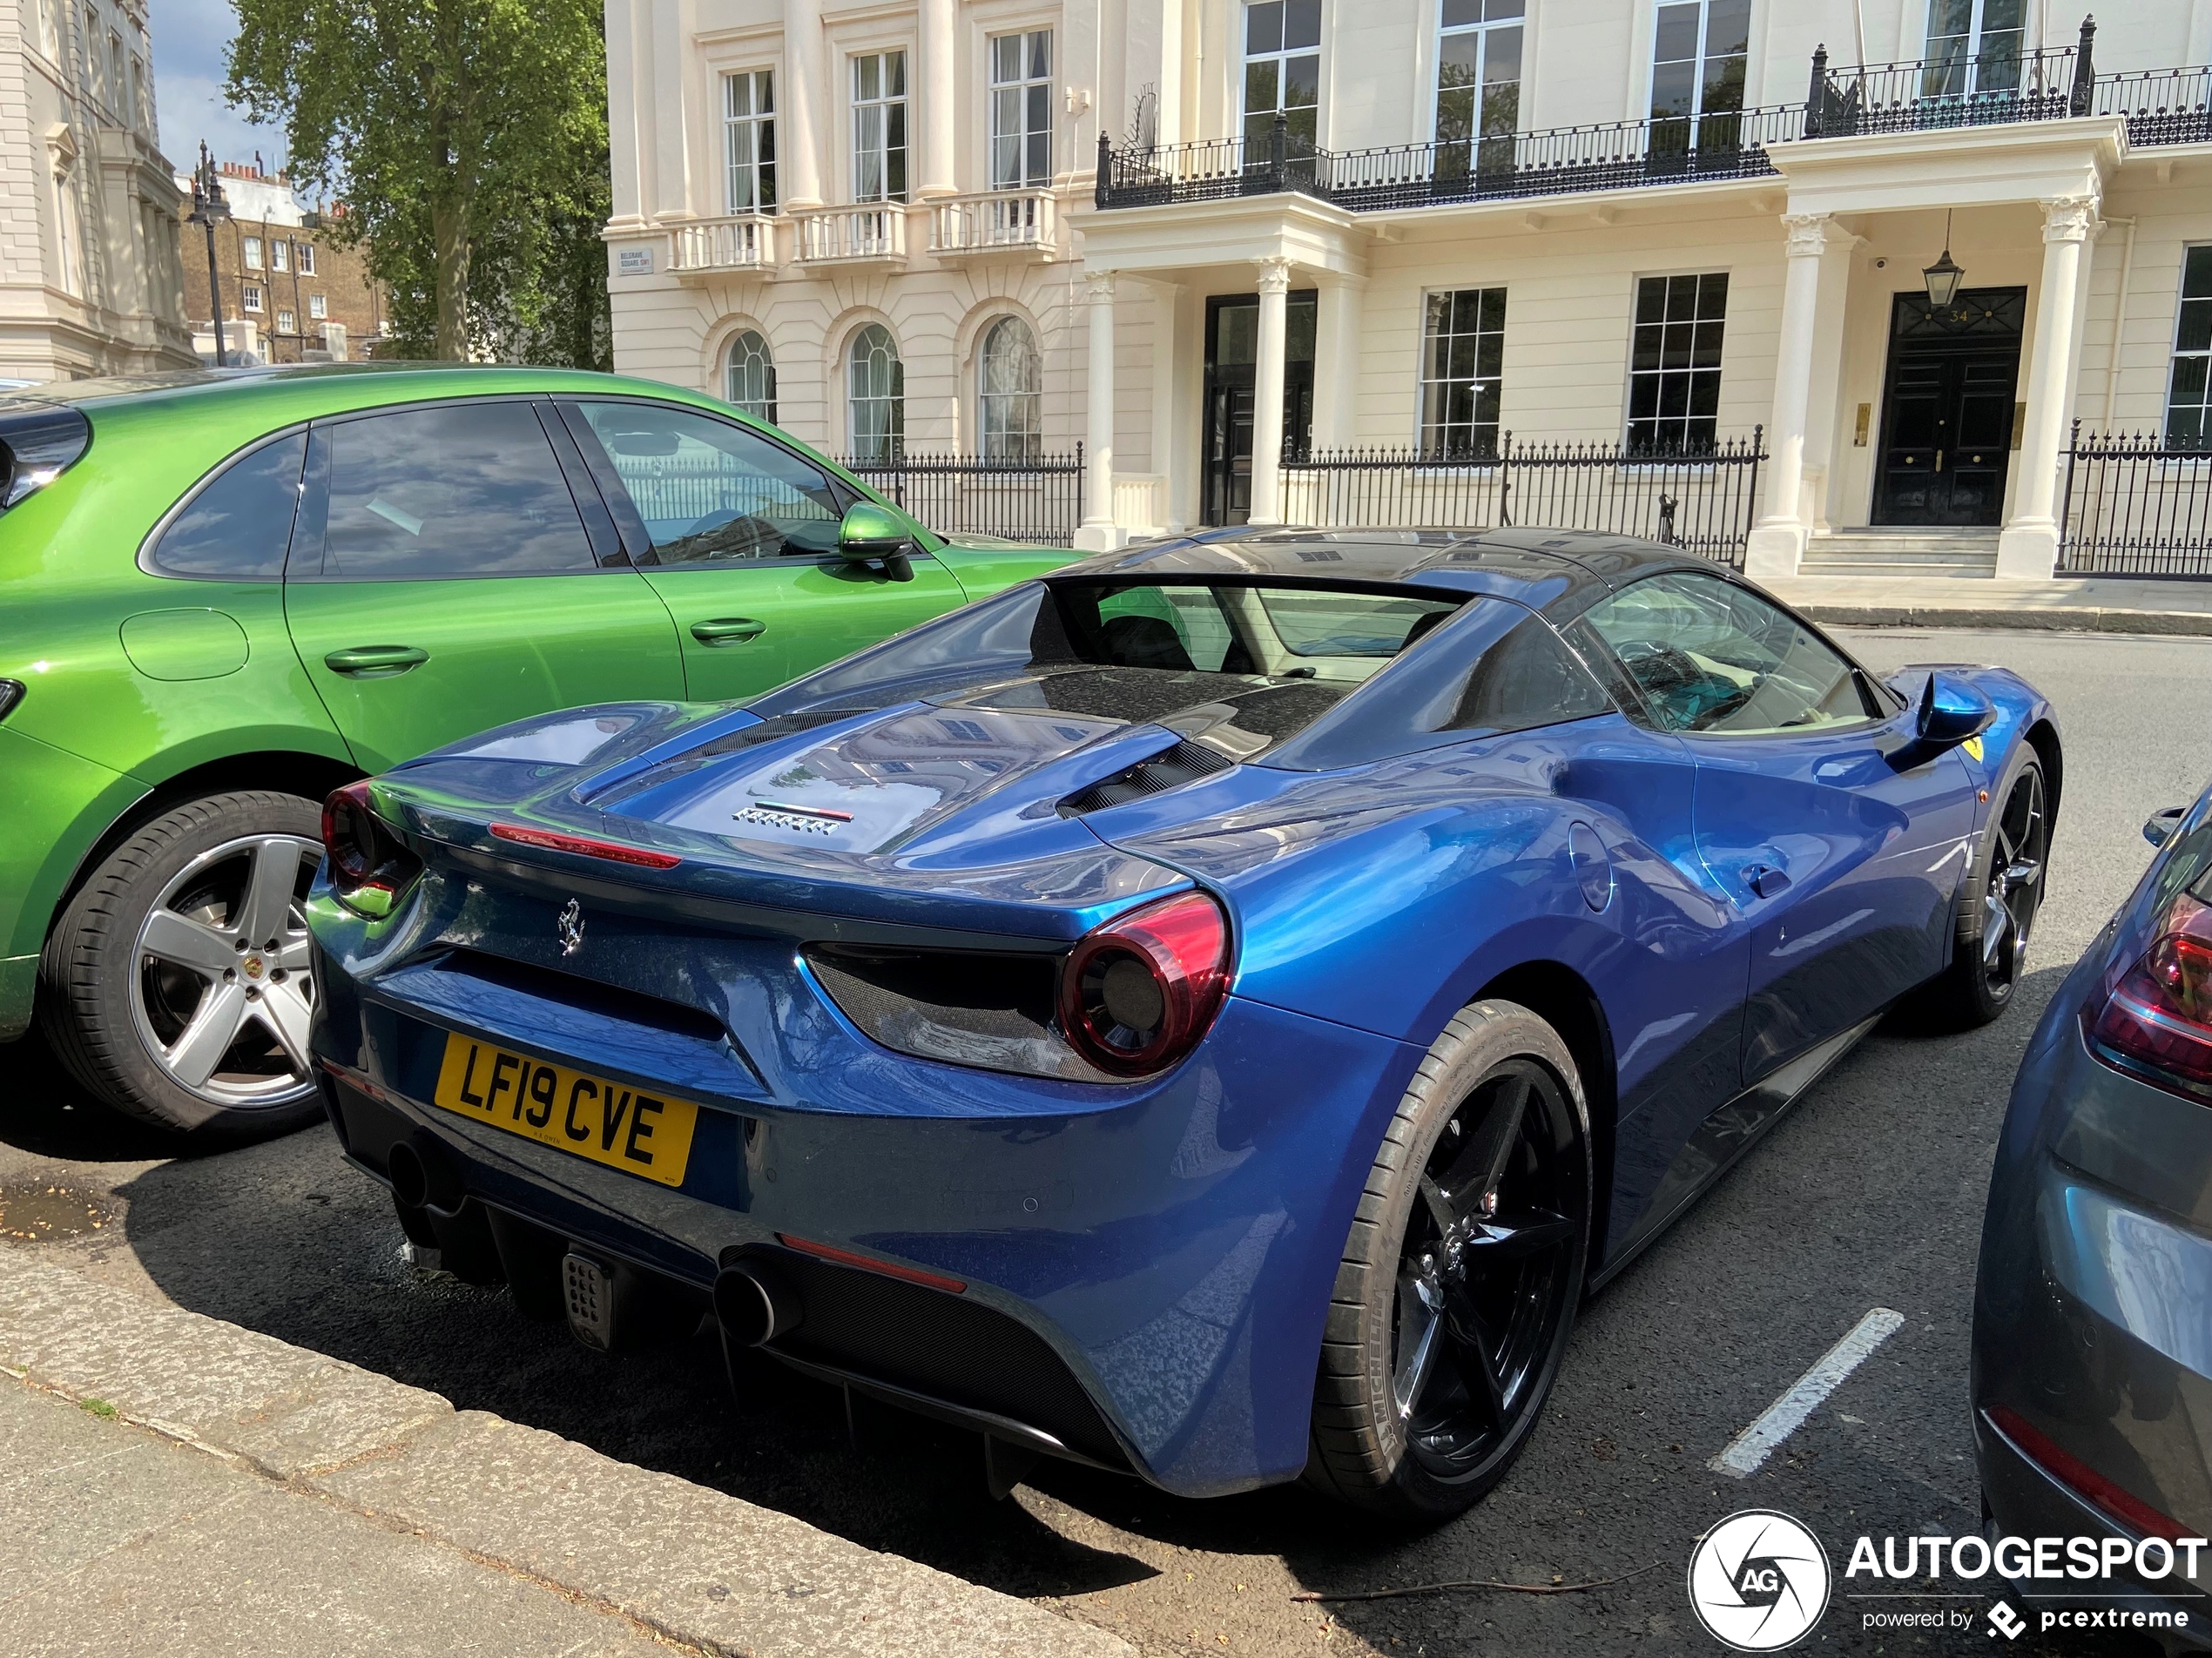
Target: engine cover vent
[[1171, 768]]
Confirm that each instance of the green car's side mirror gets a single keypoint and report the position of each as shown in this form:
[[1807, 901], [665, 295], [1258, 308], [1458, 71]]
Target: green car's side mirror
[[873, 535]]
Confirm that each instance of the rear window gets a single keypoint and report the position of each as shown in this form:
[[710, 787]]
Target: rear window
[[238, 526], [1281, 668]]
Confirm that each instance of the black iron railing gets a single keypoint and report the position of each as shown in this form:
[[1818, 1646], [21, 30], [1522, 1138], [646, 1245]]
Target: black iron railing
[[1994, 88], [1704, 502], [2136, 506], [2162, 105], [1037, 499], [1997, 86]]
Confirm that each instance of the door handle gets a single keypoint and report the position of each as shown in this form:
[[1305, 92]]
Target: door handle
[[376, 659], [728, 630], [1938, 460], [1764, 879]]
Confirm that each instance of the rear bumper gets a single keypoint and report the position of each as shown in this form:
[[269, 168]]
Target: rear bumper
[[1146, 1268]]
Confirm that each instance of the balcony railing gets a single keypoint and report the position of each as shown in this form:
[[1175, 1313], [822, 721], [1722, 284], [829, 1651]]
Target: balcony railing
[[876, 231], [1020, 222], [742, 242], [2161, 107]]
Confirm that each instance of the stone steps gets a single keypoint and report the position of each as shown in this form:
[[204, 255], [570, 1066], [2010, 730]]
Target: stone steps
[[1902, 553]]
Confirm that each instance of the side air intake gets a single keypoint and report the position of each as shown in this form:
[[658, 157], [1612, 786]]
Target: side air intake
[[1169, 768]]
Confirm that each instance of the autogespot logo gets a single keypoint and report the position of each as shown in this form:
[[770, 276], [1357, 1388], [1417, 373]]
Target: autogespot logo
[[1758, 1580]]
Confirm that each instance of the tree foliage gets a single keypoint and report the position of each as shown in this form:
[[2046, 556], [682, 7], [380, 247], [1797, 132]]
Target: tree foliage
[[467, 141]]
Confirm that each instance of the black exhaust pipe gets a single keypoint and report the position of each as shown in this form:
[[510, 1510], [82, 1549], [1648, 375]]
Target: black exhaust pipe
[[430, 1195], [754, 1304]]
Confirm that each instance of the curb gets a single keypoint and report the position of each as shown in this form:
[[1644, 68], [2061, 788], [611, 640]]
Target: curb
[[694, 1565], [2054, 619]]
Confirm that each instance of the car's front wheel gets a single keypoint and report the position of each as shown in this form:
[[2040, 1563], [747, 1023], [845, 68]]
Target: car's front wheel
[[1461, 1275], [176, 985]]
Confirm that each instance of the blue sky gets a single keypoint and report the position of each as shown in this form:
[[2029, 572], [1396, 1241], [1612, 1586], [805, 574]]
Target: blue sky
[[189, 37]]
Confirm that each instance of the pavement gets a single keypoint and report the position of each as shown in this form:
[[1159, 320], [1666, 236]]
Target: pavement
[[177, 1486], [1868, 1196], [2085, 604]]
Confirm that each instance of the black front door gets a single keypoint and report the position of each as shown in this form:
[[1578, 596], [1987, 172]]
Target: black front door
[[1233, 355], [1947, 415]]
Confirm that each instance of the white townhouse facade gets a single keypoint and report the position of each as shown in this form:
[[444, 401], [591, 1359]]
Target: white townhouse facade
[[91, 278], [1155, 228]]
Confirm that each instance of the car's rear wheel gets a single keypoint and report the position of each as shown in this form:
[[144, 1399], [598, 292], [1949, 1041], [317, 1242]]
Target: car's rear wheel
[[1461, 1275], [1997, 905], [176, 985]]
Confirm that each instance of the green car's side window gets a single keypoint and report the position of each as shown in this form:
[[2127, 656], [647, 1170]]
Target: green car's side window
[[237, 526], [453, 489], [709, 491]]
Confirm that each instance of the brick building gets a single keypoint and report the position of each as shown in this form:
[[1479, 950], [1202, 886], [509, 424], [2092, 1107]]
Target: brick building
[[290, 292]]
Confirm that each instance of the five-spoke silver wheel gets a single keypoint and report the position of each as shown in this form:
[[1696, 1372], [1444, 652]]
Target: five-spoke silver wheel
[[221, 992]]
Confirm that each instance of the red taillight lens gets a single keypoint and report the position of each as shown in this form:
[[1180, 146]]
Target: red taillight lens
[[2158, 1017], [2069, 1470], [369, 867], [584, 846], [1136, 995]]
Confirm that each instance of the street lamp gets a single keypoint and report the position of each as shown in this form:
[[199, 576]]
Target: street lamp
[[1943, 277], [209, 209]]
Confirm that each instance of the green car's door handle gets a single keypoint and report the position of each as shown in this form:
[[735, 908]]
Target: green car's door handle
[[728, 630], [376, 659]]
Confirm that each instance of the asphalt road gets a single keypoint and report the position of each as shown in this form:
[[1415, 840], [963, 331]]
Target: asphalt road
[[1870, 1195]]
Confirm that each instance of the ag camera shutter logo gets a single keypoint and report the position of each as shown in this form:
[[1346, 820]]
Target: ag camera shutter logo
[[1758, 1580]]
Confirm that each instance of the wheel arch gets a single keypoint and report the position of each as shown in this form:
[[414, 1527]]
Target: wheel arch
[[1563, 999], [2043, 737], [298, 771]]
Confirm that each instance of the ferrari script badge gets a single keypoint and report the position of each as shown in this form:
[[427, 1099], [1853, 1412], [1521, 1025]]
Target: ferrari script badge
[[568, 928]]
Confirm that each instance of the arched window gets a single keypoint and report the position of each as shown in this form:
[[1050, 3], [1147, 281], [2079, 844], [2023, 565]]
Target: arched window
[[875, 394], [752, 376], [1009, 381]]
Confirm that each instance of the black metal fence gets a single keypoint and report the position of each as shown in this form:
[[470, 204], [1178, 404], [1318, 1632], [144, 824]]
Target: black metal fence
[[1704, 502], [2136, 507], [1037, 499]]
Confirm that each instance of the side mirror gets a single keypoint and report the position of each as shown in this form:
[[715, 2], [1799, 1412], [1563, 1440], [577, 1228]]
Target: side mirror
[[1949, 713], [2159, 827], [873, 535], [1952, 711]]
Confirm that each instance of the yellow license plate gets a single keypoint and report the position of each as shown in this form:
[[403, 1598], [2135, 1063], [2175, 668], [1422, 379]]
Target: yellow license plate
[[624, 1127]]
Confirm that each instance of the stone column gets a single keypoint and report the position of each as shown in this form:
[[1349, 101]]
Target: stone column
[[801, 140], [1267, 392], [1336, 362], [1097, 533], [936, 88], [2029, 544], [1778, 542]]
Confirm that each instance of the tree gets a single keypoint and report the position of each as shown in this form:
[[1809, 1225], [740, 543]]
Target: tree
[[467, 140]]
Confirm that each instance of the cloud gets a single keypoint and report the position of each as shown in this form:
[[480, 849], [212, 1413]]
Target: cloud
[[190, 40]]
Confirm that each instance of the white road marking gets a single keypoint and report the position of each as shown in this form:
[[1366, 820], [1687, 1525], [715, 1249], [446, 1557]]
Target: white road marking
[[1787, 1414]]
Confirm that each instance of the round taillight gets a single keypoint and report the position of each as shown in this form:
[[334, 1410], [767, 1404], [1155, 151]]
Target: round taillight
[[1138, 993], [369, 865]]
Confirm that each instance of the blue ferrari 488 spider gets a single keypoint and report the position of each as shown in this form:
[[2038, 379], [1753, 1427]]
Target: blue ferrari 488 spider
[[1211, 1013]]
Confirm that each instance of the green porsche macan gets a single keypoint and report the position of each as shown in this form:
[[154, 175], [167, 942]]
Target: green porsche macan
[[223, 594]]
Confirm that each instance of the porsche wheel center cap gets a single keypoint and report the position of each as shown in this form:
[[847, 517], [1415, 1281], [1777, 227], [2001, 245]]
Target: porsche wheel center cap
[[253, 966]]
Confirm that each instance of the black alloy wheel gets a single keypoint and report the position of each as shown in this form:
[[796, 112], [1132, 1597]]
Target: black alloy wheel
[[1485, 1273], [1461, 1274]]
